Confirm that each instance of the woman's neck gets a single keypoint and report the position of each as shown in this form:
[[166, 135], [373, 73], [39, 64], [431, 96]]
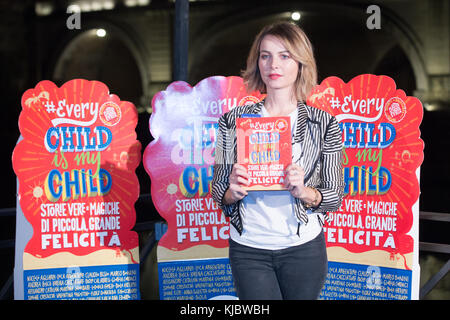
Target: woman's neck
[[280, 102]]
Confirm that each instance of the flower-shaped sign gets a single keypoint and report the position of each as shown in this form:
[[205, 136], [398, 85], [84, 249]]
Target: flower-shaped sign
[[75, 166], [382, 155], [181, 158]]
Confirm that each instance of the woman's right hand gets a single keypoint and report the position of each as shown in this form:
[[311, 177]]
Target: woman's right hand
[[238, 178]]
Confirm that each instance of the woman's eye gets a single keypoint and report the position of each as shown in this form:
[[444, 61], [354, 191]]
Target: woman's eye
[[264, 56], [285, 56]]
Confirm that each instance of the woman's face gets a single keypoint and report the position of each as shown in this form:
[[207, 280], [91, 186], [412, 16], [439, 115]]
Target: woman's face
[[278, 69]]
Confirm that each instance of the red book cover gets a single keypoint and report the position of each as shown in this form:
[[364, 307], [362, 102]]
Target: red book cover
[[264, 147]]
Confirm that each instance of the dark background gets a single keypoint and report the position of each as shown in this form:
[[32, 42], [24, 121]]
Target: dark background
[[135, 59]]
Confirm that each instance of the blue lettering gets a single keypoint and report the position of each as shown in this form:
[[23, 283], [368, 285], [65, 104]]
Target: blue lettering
[[366, 135], [77, 139]]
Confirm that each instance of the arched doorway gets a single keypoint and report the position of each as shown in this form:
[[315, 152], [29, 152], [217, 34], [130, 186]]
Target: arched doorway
[[98, 54], [343, 45], [396, 65], [110, 57]]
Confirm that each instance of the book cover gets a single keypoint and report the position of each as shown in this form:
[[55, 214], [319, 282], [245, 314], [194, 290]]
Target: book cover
[[264, 147]]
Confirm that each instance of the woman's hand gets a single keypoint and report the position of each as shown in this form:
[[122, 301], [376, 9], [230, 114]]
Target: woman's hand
[[294, 182], [238, 178]]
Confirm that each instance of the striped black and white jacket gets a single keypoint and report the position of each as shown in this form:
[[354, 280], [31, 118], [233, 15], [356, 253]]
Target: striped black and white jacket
[[320, 137]]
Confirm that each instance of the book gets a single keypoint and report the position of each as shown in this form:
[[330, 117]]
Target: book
[[264, 148]]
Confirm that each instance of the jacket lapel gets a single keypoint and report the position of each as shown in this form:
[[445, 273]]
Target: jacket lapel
[[257, 107], [308, 133]]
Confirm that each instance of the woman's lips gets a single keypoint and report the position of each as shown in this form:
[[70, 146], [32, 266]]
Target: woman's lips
[[274, 76]]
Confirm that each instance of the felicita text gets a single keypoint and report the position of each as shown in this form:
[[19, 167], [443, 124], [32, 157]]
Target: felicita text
[[364, 222], [79, 224], [200, 219]]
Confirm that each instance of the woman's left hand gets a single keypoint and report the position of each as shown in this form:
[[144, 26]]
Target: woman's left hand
[[294, 182]]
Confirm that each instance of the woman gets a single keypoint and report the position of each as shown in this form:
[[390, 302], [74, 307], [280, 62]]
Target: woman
[[277, 246]]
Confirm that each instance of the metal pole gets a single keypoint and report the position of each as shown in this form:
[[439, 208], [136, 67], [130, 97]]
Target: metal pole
[[181, 40]]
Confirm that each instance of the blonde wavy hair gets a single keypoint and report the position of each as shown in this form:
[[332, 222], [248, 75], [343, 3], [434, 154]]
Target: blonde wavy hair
[[297, 43]]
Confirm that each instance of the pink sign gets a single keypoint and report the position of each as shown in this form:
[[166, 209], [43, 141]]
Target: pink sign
[[377, 223], [77, 183], [181, 158]]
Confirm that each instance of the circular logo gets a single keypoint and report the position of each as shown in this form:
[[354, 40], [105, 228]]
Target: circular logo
[[248, 100], [395, 109], [281, 125], [110, 113]]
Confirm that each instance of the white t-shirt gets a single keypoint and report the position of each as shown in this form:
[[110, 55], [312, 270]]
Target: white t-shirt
[[268, 217]]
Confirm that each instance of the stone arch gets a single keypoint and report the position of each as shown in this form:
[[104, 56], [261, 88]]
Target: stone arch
[[125, 40], [410, 44], [211, 34], [393, 29], [396, 64]]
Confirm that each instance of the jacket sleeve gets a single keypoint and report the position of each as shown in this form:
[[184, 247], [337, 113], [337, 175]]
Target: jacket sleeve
[[332, 180], [224, 160]]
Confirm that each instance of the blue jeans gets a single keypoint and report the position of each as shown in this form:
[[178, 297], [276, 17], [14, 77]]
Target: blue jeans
[[295, 273]]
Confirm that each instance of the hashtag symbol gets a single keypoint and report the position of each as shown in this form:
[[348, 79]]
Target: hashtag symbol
[[50, 107], [335, 103]]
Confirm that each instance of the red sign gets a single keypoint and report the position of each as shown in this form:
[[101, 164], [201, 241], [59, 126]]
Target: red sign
[[180, 160], [75, 166], [382, 155], [264, 147]]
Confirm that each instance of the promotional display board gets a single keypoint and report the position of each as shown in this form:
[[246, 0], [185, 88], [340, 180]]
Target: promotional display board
[[264, 148], [77, 188], [193, 253], [372, 239]]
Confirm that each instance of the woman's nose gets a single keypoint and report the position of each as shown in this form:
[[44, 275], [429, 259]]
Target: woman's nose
[[274, 63]]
